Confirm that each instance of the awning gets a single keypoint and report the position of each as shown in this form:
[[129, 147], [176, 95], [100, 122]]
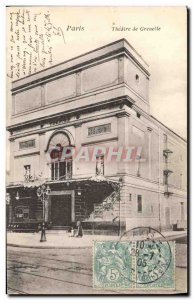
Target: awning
[[100, 179]]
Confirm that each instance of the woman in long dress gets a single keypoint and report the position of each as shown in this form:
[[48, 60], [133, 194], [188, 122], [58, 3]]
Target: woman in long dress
[[80, 231]]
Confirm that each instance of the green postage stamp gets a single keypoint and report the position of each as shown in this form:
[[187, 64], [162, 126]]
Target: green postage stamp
[[148, 264]]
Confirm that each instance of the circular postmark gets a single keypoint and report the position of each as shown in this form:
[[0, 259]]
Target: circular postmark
[[149, 252]]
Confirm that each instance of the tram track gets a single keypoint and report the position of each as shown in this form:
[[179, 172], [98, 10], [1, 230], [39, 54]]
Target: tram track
[[52, 268], [15, 267], [64, 281], [47, 257]]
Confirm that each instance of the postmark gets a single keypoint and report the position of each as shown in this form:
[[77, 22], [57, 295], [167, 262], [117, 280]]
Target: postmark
[[141, 258]]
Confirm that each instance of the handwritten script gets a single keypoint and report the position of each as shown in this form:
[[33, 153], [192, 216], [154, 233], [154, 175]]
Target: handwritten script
[[31, 39]]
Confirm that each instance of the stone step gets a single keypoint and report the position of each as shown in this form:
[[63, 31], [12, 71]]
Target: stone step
[[59, 229]]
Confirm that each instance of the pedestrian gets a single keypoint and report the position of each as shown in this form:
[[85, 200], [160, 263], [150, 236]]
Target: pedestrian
[[72, 232], [80, 231]]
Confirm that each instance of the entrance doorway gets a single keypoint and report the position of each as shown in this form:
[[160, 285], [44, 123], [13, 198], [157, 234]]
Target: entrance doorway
[[61, 210]]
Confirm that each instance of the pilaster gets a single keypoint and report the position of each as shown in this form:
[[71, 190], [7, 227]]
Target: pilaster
[[123, 136]]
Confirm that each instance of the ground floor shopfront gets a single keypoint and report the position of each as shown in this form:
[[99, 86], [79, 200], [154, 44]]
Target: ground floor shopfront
[[95, 204], [109, 206]]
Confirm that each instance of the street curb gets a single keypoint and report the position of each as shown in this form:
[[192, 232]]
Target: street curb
[[47, 247], [79, 247], [172, 237]]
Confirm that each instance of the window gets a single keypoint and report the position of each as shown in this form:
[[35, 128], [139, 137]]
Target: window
[[130, 197], [27, 144], [139, 203], [101, 129], [165, 138], [165, 178], [100, 165], [61, 170], [27, 172], [137, 78]]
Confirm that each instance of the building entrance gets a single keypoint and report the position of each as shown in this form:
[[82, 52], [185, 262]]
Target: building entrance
[[61, 210]]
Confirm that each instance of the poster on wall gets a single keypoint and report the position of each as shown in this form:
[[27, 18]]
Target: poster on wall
[[96, 121]]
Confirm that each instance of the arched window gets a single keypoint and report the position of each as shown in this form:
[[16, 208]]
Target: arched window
[[61, 165]]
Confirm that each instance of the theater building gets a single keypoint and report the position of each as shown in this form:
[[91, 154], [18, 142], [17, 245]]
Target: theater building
[[99, 100]]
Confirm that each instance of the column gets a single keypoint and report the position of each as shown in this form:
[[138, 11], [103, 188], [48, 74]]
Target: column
[[123, 136], [42, 161], [121, 69], [78, 83], [78, 141], [43, 94], [182, 215], [122, 167], [182, 211], [149, 152], [11, 159]]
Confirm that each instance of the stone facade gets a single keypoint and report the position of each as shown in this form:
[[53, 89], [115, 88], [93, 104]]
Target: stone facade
[[97, 99]]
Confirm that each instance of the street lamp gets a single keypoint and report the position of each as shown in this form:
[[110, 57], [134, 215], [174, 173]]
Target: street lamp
[[42, 192], [119, 195], [17, 196]]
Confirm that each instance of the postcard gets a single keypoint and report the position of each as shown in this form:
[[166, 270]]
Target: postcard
[[96, 187]]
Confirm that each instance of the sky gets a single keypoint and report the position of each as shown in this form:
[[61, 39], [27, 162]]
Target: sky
[[164, 50]]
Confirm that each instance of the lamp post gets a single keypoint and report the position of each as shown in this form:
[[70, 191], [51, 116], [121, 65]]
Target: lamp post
[[42, 192], [119, 192]]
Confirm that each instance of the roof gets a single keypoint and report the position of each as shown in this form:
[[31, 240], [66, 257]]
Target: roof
[[114, 48]]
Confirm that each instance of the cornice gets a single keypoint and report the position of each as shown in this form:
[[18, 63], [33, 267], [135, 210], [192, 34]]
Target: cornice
[[124, 100]]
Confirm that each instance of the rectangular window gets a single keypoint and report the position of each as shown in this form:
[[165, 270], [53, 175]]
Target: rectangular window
[[139, 203], [130, 197], [165, 138], [100, 165], [27, 172], [101, 129], [165, 178], [61, 170], [27, 144]]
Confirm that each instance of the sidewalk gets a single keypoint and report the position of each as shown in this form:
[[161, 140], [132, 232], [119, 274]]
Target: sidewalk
[[63, 241]]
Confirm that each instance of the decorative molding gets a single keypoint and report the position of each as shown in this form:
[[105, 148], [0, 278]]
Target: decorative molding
[[85, 109], [149, 129], [100, 141], [123, 114], [26, 154], [79, 124], [12, 139]]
